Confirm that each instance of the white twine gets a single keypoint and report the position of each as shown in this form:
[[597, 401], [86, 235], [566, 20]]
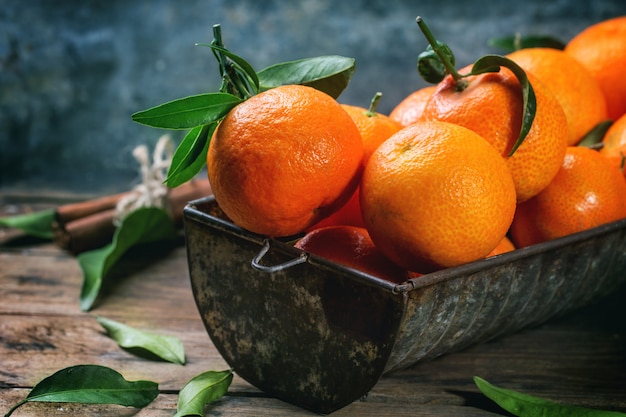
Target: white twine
[[152, 191]]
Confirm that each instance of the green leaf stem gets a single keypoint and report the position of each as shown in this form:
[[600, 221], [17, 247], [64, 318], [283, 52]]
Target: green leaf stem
[[38, 224], [439, 61], [168, 348], [244, 72], [143, 225], [91, 384], [523, 405], [188, 112], [202, 389]]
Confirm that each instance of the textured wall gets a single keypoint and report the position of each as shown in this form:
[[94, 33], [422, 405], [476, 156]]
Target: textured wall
[[72, 72]]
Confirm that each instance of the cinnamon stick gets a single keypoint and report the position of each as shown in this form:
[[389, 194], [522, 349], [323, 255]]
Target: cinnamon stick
[[88, 225], [86, 233], [69, 212]]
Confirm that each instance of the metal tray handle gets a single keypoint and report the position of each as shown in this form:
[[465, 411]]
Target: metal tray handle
[[256, 261]]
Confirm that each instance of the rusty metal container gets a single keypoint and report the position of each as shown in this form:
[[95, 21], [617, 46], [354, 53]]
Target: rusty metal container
[[320, 335]]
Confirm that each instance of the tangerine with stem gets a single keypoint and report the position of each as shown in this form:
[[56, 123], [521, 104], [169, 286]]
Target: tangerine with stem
[[495, 103]]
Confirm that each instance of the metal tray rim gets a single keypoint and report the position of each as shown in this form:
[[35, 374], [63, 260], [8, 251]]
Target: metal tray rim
[[193, 212]]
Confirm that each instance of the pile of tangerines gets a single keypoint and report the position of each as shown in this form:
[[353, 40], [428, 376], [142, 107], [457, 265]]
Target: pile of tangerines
[[437, 182]]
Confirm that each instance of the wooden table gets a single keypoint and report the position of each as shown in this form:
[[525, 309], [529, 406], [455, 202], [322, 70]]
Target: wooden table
[[579, 359]]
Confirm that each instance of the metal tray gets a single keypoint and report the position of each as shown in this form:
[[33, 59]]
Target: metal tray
[[320, 335]]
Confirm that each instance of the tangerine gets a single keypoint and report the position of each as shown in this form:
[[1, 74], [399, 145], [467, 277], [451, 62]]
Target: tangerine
[[436, 195], [614, 143], [601, 48], [351, 246], [374, 127], [588, 191], [349, 214], [504, 246], [410, 109], [574, 87], [491, 105], [284, 159]]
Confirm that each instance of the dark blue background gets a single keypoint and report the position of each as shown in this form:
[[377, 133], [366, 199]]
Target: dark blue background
[[72, 72]]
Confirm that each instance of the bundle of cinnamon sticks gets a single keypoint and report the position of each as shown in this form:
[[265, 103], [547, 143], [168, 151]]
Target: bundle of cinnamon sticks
[[87, 225]]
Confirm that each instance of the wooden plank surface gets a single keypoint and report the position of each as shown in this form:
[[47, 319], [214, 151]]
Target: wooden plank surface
[[579, 359]]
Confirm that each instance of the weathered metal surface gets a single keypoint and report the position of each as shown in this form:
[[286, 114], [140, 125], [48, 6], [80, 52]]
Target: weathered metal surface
[[320, 335], [459, 307], [309, 334]]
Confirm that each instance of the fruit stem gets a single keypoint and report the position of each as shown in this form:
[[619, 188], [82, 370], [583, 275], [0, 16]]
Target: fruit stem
[[221, 59], [458, 78], [232, 82], [371, 112]]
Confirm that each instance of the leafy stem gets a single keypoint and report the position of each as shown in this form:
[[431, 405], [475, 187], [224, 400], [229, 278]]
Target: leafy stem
[[438, 61], [440, 49], [202, 113], [238, 77]]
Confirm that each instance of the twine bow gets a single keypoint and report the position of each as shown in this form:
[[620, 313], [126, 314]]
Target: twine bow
[[151, 192]]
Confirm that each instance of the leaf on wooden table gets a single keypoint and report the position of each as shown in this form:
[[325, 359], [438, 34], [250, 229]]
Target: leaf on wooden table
[[523, 405], [38, 224], [91, 384], [202, 389], [145, 225], [168, 348]]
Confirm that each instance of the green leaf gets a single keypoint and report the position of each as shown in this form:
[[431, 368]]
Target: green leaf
[[593, 138], [190, 156], [241, 64], [168, 348], [517, 42], [523, 405], [188, 112], [91, 384], [330, 74], [492, 63], [144, 225], [37, 224], [429, 63], [201, 390]]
